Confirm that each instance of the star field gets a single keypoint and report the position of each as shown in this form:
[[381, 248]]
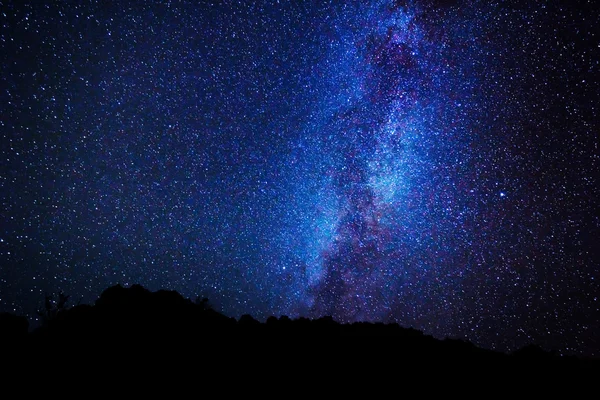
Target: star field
[[429, 163]]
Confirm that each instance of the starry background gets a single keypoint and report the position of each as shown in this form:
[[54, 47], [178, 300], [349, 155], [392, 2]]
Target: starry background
[[429, 163]]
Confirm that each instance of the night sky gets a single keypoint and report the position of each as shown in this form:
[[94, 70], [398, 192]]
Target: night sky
[[428, 163]]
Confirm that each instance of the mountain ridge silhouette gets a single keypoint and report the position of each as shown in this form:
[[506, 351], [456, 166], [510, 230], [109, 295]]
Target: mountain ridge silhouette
[[137, 319]]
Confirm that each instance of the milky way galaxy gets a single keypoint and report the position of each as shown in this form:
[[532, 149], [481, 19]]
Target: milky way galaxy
[[429, 163]]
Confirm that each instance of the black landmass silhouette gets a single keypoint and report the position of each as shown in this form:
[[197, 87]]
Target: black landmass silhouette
[[136, 319]]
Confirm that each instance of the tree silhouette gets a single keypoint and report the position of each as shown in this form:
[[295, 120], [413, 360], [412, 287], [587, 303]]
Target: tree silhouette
[[204, 303], [53, 306]]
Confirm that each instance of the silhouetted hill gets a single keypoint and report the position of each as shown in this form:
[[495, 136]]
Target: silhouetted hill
[[12, 327], [136, 318]]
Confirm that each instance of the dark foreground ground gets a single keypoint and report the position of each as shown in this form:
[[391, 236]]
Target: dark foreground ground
[[129, 326]]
